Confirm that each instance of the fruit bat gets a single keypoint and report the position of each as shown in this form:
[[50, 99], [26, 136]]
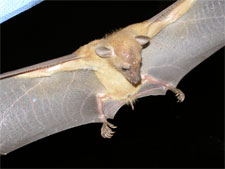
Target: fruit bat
[[32, 99]]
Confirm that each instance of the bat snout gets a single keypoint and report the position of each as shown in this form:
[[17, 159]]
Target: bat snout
[[133, 76], [135, 80]]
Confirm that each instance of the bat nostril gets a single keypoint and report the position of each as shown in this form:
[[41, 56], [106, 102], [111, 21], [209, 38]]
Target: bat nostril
[[136, 81]]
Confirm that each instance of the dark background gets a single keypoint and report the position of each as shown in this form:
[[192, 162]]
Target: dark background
[[158, 133]]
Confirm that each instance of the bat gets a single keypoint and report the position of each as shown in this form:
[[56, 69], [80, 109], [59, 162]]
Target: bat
[[84, 84]]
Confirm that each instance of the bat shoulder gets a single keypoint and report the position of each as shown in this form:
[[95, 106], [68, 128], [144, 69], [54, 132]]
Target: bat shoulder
[[88, 50]]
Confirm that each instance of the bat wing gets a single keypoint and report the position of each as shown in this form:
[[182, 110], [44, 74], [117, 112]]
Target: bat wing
[[35, 108], [181, 46]]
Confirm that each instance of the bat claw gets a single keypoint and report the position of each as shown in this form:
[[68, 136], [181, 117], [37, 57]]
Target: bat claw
[[180, 95], [106, 130], [111, 125]]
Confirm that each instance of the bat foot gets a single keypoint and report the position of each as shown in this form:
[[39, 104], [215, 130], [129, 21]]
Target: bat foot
[[179, 94], [106, 130]]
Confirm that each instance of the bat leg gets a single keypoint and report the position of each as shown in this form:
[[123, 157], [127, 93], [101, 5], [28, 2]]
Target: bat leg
[[179, 94], [106, 130]]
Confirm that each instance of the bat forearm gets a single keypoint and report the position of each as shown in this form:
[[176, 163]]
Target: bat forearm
[[169, 15]]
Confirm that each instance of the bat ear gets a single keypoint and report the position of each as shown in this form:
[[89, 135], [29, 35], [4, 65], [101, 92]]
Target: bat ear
[[142, 40], [103, 52]]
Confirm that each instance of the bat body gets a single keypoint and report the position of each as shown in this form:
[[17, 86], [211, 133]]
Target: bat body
[[116, 61], [101, 57]]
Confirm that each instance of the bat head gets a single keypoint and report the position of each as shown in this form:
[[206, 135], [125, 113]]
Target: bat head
[[125, 55]]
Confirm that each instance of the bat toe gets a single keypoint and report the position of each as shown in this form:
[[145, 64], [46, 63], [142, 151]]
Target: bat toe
[[180, 95], [106, 130]]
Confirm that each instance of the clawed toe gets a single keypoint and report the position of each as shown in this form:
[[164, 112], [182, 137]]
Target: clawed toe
[[111, 125], [106, 130], [180, 95]]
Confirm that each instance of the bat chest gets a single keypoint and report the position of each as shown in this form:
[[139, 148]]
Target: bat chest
[[116, 85]]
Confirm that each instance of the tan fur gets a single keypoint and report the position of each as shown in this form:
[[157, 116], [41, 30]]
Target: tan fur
[[117, 86], [121, 42]]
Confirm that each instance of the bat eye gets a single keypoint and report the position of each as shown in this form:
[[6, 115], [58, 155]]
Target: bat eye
[[125, 67]]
